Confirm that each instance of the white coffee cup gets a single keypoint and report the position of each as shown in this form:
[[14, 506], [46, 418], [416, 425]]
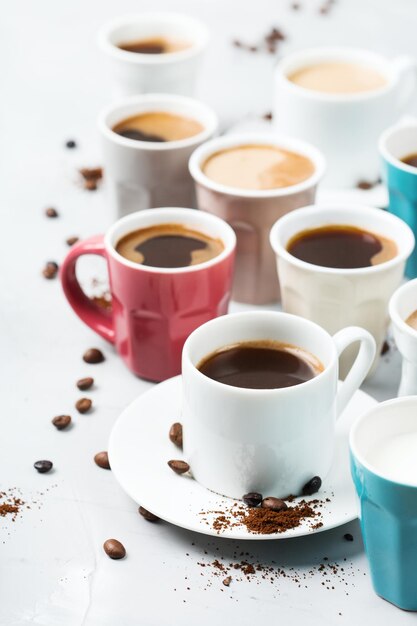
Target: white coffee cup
[[173, 72], [267, 440], [345, 127], [402, 304], [333, 297], [146, 174]]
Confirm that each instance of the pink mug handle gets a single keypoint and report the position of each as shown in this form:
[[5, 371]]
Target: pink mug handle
[[97, 318]]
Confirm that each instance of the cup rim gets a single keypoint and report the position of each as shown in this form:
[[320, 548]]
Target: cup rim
[[163, 98], [212, 146], [282, 252], [396, 318], [386, 154], [135, 58], [229, 240]]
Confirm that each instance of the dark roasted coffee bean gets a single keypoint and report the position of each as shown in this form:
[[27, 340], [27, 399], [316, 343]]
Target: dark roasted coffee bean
[[102, 460], [268, 116], [227, 581], [43, 466], [83, 405], [175, 434], [179, 467], [252, 499], [85, 383], [93, 355], [385, 348], [312, 486], [274, 504], [114, 549], [51, 212], [70, 241], [348, 537], [50, 270], [61, 421], [150, 517], [70, 144], [365, 185]]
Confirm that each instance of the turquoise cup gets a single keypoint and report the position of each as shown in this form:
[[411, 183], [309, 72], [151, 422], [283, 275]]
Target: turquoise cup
[[384, 470], [396, 143]]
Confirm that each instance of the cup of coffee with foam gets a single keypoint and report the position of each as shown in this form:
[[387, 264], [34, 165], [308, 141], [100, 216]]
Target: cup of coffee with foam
[[154, 52], [260, 400], [340, 100], [147, 142], [170, 270], [250, 181], [403, 313], [339, 265]]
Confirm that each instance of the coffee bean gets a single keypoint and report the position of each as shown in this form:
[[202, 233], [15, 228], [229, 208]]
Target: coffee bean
[[312, 486], [227, 581], [70, 144], [348, 537], [51, 212], [102, 460], [150, 517], [175, 434], [114, 549], [50, 270], [61, 421], [273, 504], [90, 184], [365, 185], [252, 499], [43, 466], [179, 467], [268, 116], [93, 355], [70, 241], [385, 348], [83, 405], [85, 383]]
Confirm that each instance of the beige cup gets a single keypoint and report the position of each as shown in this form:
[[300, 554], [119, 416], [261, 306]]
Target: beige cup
[[252, 213]]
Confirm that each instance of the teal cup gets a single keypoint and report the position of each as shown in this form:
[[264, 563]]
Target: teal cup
[[384, 469]]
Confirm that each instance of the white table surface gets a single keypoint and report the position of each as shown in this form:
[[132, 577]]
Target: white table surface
[[53, 570]]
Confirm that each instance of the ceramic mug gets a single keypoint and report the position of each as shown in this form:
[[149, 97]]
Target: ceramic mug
[[267, 440], [402, 304], [252, 213], [153, 309], [145, 174], [173, 72], [387, 490], [345, 127], [333, 297]]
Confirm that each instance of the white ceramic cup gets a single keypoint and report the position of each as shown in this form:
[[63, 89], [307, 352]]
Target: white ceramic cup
[[173, 72], [146, 174], [345, 127], [402, 304], [267, 440], [332, 297]]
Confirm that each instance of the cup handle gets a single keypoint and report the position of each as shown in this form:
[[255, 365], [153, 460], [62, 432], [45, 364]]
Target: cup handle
[[361, 365], [406, 68], [100, 320]]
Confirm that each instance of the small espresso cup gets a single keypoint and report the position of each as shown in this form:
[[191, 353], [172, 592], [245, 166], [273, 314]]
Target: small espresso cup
[[172, 72], [252, 213], [154, 309], [402, 304], [344, 126], [145, 174], [270, 441], [395, 144], [333, 297], [383, 463]]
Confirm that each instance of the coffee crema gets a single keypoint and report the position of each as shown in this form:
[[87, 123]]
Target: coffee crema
[[262, 364], [341, 246], [338, 78], [158, 126], [258, 167], [168, 246], [154, 45], [410, 159], [412, 320]]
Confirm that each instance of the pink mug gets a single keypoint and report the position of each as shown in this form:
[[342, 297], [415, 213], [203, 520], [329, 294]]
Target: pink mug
[[154, 309]]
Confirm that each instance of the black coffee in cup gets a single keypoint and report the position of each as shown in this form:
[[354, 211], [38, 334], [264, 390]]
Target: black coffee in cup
[[154, 45], [410, 159]]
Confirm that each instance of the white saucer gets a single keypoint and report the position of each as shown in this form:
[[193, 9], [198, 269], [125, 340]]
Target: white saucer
[[139, 449]]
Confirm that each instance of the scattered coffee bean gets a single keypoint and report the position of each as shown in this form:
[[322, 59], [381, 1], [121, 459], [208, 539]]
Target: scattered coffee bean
[[114, 549], [348, 537], [91, 176], [312, 486], [102, 460], [227, 581], [70, 144], [83, 405], [61, 421], [70, 241], [43, 466], [50, 270], [179, 467], [51, 212], [274, 504], [93, 355], [175, 434], [150, 517], [252, 499], [85, 383], [268, 116], [385, 348]]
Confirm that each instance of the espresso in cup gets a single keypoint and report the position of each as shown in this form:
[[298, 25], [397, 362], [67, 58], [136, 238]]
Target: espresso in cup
[[338, 77], [158, 126], [410, 159], [154, 45], [168, 245], [341, 246], [258, 167], [264, 364]]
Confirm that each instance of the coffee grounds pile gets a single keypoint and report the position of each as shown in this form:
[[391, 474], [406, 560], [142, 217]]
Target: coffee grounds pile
[[10, 505]]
